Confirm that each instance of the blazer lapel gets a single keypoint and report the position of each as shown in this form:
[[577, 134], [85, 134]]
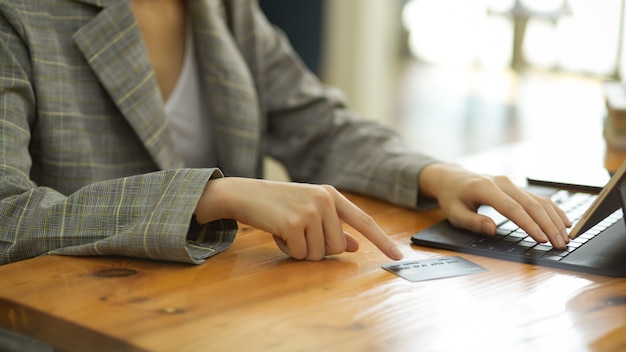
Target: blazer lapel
[[228, 84], [113, 46]]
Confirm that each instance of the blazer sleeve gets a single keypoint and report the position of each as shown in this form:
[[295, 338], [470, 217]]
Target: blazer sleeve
[[146, 215], [310, 128]]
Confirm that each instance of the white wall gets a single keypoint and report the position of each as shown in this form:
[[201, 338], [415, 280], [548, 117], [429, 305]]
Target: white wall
[[361, 51]]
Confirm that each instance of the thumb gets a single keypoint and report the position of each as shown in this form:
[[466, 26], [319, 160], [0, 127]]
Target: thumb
[[472, 221], [352, 243]]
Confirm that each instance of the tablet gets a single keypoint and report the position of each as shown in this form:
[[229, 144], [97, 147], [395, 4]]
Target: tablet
[[607, 202]]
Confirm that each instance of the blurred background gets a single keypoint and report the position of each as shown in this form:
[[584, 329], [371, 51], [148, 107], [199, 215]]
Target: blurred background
[[457, 77]]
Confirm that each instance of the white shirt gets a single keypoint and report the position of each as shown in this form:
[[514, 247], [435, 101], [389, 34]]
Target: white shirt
[[187, 113]]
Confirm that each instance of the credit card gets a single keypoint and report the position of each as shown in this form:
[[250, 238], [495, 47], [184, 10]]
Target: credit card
[[434, 268]]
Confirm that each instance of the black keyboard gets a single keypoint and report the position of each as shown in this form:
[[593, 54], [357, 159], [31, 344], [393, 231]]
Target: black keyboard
[[511, 239]]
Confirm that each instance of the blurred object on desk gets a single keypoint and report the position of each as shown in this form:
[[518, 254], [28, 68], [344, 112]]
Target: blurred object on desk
[[615, 123], [613, 158]]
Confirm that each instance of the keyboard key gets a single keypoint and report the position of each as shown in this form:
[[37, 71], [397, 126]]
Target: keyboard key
[[561, 196], [493, 214], [511, 239], [573, 244], [552, 257], [508, 226], [516, 249], [484, 241], [527, 244], [534, 253], [479, 243], [503, 232], [499, 246], [562, 252], [587, 235], [542, 247], [519, 235]]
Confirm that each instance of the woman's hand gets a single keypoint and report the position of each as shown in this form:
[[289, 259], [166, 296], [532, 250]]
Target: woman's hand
[[460, 193], [304, 219]]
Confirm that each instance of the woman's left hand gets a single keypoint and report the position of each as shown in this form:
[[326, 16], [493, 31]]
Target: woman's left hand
[[460, 192]]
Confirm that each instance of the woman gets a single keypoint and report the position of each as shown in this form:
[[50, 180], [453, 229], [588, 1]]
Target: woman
[[119, 119]]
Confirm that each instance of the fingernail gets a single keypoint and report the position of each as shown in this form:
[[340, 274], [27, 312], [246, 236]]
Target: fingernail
[[565, 236], [541, 237], [488, 228], [396, 253]]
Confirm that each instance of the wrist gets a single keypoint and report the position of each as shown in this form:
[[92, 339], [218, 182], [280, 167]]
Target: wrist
[[432, 178], [213, 203]]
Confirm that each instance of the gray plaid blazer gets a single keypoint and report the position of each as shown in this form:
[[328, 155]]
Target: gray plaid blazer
[[87, 163]]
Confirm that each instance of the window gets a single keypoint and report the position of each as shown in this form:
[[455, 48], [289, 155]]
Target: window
[[572, 35]]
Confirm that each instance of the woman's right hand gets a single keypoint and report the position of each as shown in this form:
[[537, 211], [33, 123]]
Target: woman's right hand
[[305, 219]]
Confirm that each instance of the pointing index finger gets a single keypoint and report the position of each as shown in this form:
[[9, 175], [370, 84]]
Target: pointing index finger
[[365, 224]]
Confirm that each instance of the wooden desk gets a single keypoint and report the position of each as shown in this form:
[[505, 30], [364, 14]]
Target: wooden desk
[[252, 298]]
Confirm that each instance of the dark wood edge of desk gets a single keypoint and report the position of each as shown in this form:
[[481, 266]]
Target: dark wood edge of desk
[[44, 327]]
